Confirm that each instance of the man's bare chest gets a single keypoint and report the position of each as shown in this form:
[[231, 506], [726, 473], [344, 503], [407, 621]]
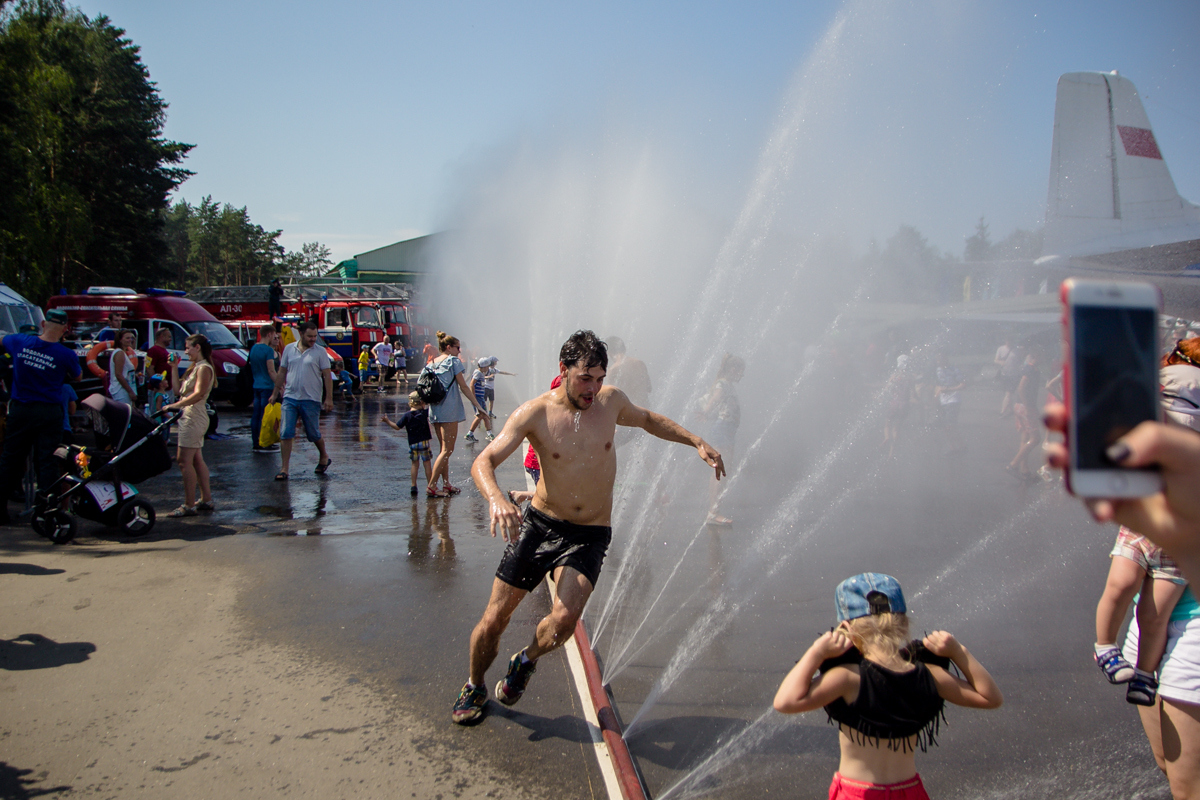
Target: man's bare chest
[[573, 438]]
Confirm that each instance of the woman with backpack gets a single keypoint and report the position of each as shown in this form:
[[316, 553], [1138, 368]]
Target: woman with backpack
[[447, 411]]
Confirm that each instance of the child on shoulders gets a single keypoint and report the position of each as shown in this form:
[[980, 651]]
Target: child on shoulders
[[1140, 565]]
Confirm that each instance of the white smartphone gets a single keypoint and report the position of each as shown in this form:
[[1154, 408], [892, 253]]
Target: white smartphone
[[1111, 379]]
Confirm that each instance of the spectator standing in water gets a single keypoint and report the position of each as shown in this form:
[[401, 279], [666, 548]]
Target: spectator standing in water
[[947, 393], [304, 374], [447, 414], [565, 529], [1171, 519], [364, 365], [628, 374], [383, 359], [489, 383], [477, 384], [885, 693], [193, 425], [1008, 359], [1138, 565], [262, 368], [1026, 412], [415, 423], [400, 364]]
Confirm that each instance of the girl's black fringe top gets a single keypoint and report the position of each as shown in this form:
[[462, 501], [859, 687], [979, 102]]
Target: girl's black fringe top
[[891, 706]]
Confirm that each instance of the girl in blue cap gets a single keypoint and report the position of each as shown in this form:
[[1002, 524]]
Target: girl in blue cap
[[885, 693]]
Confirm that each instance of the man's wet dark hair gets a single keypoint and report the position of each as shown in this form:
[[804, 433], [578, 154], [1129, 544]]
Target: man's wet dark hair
[[584, 349]]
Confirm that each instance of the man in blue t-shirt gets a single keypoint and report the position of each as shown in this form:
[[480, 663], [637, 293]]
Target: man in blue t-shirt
[[262, 367], [40, 366]]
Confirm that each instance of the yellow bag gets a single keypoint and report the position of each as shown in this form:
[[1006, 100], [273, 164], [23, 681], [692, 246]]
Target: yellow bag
[[272, 416]]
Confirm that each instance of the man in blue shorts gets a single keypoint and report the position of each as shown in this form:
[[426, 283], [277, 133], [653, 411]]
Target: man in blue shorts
[[565, 530], [40, 367], [304, 371]]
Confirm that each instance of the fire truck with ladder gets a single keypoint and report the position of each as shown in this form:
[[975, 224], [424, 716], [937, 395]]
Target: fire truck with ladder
[[348, 316]]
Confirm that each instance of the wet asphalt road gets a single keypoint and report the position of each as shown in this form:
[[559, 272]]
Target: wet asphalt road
[[352, 568]]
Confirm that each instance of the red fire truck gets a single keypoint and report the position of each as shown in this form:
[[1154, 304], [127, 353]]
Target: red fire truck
[[348, 316]]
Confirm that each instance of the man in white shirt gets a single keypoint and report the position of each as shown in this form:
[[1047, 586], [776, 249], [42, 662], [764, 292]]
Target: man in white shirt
[[304, 371]]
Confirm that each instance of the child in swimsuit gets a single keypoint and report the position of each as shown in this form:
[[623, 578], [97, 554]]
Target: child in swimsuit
[[885, 693]]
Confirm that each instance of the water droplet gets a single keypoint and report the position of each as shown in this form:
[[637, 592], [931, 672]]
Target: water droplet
[[577, 421]]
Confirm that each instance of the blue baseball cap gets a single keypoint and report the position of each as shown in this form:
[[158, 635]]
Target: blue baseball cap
[[869, 593]]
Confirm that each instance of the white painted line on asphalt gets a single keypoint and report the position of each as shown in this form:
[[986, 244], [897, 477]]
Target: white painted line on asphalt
[[603, 756]]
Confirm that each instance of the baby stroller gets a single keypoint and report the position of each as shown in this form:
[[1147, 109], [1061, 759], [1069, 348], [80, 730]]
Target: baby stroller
[[97, 482]]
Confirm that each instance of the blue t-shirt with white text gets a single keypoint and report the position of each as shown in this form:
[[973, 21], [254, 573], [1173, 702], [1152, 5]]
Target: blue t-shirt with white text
[[39, 368]]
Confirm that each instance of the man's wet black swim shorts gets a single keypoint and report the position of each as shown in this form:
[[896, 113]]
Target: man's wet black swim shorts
[[546, 543]]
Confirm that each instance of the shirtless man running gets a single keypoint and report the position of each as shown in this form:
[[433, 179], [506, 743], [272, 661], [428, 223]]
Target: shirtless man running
[[565, 529]]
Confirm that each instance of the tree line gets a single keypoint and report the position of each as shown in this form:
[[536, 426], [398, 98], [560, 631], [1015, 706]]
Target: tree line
[[909, 269], [86, 173], [214, 244]]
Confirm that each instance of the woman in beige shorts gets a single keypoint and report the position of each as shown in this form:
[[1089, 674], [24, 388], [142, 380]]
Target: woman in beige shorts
[[197, 383]]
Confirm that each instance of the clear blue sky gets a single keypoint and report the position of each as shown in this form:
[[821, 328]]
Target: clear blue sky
[[359, 124]]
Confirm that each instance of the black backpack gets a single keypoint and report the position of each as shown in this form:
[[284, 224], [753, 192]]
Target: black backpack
[[429, 386]]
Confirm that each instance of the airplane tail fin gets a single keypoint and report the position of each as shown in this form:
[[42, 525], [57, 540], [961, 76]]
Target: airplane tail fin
[[1110, 188]]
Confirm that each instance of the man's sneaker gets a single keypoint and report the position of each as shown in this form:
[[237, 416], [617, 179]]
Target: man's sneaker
[[490, 437], [509, 690], [468, 708], [1114, 666], [1143, 689], [470, 437]]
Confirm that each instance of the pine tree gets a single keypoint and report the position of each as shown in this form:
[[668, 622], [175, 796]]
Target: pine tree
[[84, 169]]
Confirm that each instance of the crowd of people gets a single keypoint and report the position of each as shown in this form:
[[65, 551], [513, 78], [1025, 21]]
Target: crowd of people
[[885, 692]]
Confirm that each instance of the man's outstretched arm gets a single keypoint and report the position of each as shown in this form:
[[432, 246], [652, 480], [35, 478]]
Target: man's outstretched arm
[[666, 428], [505, 516]]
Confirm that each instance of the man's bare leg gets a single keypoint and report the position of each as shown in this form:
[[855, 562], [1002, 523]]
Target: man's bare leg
[[559, 625], [552, 632], [485, 643], [285, 454], [485, 639]]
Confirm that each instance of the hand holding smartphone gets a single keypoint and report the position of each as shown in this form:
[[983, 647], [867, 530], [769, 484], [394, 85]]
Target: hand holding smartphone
[[1111, 381]]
